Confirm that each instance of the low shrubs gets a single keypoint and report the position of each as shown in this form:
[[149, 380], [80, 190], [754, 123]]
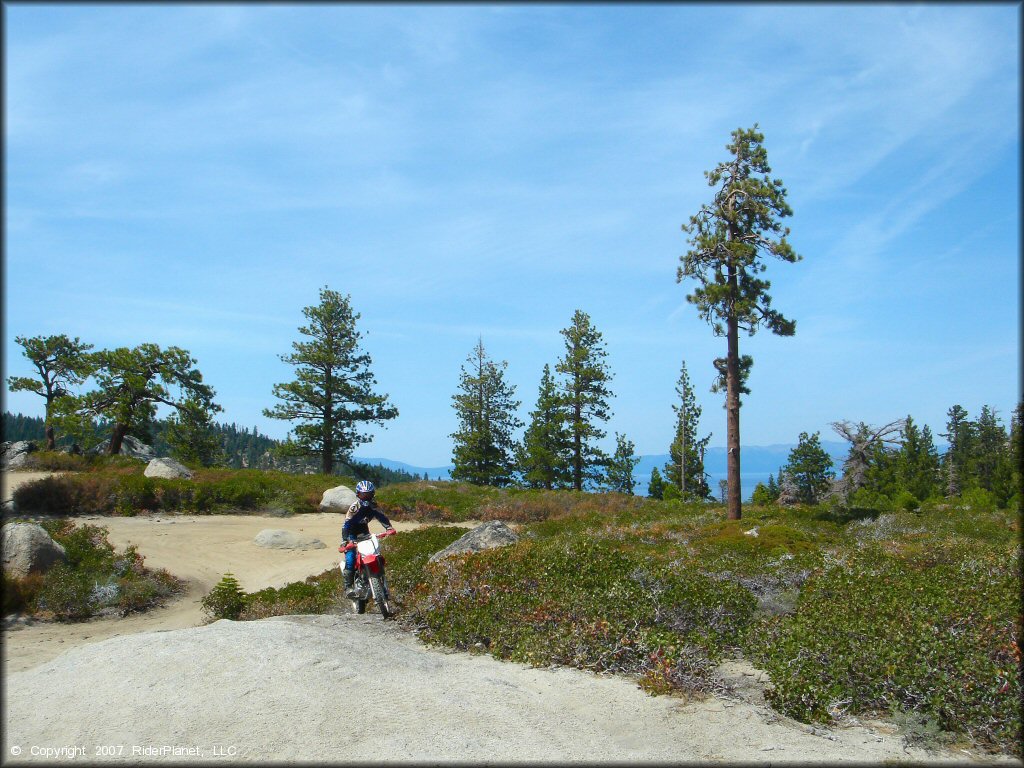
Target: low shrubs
[[912, 614], [931, 630], [95, 579], [127, 491]]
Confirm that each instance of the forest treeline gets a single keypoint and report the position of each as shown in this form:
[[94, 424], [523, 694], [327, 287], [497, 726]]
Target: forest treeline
[[239, 447], [333, 396], [897, 466]]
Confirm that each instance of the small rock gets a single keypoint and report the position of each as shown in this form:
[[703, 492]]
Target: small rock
[[130, 446], [274, 538], [751, 532], [491, 534], [14, 455], [28, 548]]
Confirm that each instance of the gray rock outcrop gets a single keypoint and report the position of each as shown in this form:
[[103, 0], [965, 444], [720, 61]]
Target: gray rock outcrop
[[167, 468], [28, 548], [14, 455], [486, 536], [275, 538], [337, 499], [130, 446]]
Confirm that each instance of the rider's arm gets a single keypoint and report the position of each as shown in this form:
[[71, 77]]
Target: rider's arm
[[346, 531], [382, 518]]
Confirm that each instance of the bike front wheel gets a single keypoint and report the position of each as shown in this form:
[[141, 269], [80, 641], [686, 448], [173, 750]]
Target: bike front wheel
[[380, 596]]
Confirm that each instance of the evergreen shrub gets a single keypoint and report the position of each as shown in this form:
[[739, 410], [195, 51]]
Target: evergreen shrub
[[226, 600]]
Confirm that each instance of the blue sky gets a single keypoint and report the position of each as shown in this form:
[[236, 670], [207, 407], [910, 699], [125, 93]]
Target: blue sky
[[192, 175]]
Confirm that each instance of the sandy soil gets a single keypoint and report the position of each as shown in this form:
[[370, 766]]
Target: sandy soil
[[279, 689], [199, 549]]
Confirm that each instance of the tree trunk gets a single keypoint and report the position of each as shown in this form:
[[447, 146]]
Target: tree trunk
[[51, 443], [327, 458], [682, 457], [116, 438], [577, 460], [732, 408]]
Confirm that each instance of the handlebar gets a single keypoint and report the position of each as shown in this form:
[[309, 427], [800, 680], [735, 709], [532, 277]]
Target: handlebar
[[352, 544]]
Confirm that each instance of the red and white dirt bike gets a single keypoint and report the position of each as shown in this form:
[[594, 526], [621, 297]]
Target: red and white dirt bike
[[369, 573]]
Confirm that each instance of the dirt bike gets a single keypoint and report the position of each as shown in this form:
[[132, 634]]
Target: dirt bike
[[369, 573]]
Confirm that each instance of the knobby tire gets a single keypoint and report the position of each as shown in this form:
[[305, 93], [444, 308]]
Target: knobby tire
[[380, 595]]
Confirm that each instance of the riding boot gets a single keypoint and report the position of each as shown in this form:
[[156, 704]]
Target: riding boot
[[349, 576]]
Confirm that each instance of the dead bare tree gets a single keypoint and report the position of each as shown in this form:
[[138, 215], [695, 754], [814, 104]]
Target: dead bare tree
[[863, 439]]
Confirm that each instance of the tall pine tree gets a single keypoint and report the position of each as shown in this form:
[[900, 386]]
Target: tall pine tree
[[685, 469], [728, 238], [545, 455], [333, 388], [484, 451], [586, 397]]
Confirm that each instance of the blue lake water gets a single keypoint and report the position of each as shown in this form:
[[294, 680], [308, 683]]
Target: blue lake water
[[748, 481]]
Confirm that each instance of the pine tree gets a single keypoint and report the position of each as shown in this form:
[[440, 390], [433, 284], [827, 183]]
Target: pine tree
[[728, 238], [810, 469], [130, 384], [332, 395], [619, 474], [586, 397], [960, 434], [484, 451], [918, 461], [865, 443], [656, 487], [685, 469], [989, 448], [60, 363], [766, 493], [192, 436], [545, 456], [1015, 455]]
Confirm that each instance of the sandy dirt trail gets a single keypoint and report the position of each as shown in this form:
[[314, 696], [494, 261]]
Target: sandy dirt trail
[[199, 549]]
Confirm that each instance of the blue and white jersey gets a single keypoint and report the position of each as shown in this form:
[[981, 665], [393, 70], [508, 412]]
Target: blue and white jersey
[[358, 517]]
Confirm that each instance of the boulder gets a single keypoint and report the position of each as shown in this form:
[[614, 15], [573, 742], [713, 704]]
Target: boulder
[[130, 446], [167, 468], [28, 548], [14, 455], [275, 538], [486, 536], [338, 499]]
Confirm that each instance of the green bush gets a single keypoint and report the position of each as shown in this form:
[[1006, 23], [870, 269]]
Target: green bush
[[226, 600], [926, 629], [73, 495], [66, 593], [906, 501], [978, 498], [94, 578]]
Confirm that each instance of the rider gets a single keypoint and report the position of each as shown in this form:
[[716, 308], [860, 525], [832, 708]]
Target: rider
[[357, 523]]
